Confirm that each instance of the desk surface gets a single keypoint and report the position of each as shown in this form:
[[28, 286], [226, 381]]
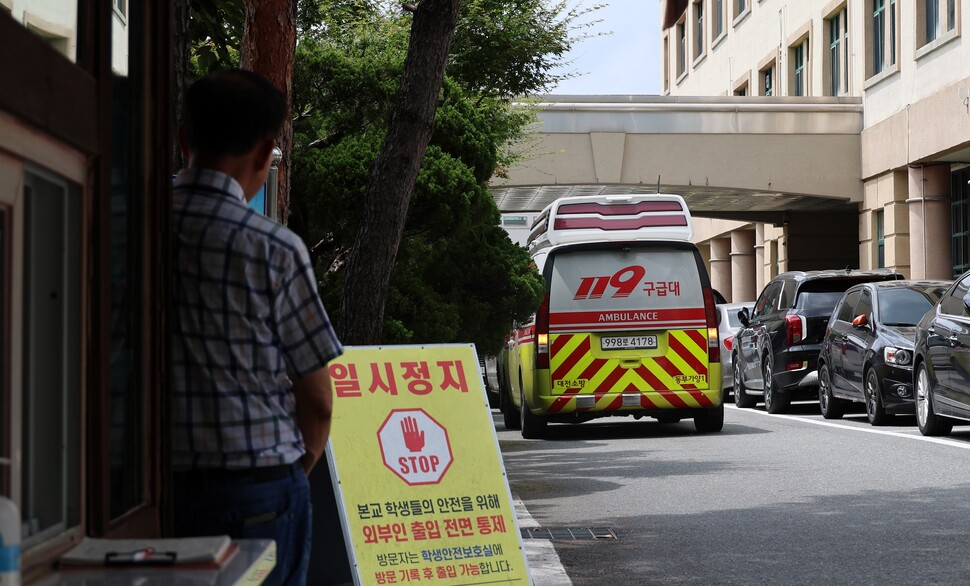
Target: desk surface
[[250, 565]]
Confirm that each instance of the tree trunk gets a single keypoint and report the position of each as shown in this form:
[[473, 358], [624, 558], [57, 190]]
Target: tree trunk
[[269, 49], [181, 48], [395, 173]]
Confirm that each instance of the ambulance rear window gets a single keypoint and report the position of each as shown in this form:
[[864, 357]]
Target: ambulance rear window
[[625, 279]]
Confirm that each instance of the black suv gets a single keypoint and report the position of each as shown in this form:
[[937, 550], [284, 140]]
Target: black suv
[[776, 350]]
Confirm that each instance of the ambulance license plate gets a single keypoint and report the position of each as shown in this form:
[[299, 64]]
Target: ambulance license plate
[[628, 342]]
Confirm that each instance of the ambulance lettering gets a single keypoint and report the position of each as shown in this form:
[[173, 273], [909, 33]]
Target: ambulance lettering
[[629, 316]]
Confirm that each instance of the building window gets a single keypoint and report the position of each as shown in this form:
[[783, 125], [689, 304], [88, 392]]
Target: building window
[[800, 70], [934, 18], [666, 62], [698, 29], [121, 7], [931, 19], [838, 61], [681, 49], [960, 218], [740, 7], [5, 279], [741, 90], [880, 239], [882, 30], [718, 19], [51, 411], [767, 80]]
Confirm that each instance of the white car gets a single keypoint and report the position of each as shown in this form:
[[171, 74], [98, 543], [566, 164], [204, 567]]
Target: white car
[[728, 325]]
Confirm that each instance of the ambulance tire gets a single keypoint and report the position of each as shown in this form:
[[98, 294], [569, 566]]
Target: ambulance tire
[[510, 417], [710, 420], [533, 426]]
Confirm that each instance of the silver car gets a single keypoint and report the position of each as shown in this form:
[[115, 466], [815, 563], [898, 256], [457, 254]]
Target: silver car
[[728, 325]]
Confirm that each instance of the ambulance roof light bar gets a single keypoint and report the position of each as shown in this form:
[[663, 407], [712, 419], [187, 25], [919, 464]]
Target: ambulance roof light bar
[[611, 218]]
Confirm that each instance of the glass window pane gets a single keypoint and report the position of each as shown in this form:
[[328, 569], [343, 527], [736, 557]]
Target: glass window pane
[[4, 370], [52, 374], [834, 61], [878, 36], [126, 405], [932, 19], [54, 22], [892, 32]]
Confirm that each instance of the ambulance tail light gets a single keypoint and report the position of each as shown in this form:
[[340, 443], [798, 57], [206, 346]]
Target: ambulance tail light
[[542, 334], [713, 341]]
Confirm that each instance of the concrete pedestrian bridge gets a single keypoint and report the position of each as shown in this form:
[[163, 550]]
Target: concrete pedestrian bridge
[[744, 158]]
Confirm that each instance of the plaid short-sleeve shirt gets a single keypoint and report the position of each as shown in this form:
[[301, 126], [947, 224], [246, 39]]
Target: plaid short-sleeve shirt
[[247, 322]]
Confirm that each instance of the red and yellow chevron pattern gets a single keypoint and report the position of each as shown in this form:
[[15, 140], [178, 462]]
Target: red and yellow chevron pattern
[[674, 376]]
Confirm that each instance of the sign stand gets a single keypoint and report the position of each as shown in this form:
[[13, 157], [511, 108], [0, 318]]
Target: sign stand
[[418, 477]]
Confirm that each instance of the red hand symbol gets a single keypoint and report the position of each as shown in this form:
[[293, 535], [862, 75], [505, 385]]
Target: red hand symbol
[[413, 437]]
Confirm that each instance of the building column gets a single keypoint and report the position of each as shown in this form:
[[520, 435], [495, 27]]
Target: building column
[[721, 266], [743, 265], [930, 231], [759, 259]]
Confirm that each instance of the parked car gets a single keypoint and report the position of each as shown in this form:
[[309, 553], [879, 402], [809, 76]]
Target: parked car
[[728, 324], [776, 350], [942, 362], [867, 353], [487, 366]]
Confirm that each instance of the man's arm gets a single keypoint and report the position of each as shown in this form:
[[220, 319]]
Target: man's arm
[[314, 406]]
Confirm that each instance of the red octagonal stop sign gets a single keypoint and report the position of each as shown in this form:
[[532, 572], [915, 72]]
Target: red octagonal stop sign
[[415, 446]]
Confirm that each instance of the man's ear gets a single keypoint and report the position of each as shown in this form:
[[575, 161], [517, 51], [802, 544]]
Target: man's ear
[[262, 153]]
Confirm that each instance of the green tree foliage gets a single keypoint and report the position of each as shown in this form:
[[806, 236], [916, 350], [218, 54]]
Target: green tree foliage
[[215, 34], [458, 277], [514, 48]]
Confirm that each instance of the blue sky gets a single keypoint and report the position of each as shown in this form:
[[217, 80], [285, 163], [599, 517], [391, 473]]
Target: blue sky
[[625, 62]]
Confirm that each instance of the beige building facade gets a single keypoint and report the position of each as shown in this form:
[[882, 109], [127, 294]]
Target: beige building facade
[[909, 63]]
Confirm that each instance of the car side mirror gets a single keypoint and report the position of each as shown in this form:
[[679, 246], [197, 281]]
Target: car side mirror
[[743, 316], [861, 321]]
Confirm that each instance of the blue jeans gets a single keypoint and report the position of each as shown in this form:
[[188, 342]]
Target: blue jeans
[[247, 507]]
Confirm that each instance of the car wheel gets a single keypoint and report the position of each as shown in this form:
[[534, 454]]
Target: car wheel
[[775, 400], [929, 423], [874, 410], [533, 426], [510, 417], [709, 420], [741, 398], [831, 407]]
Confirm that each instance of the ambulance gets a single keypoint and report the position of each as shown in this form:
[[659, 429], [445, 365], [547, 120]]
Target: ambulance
[[627, 326]]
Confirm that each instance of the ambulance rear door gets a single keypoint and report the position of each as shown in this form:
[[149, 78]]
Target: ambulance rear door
[[627, 319]]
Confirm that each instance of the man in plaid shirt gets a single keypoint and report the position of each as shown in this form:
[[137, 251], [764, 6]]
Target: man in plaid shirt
[[251, 395]]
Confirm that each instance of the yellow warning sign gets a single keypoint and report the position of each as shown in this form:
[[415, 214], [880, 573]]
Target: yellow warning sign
[[417, 470]]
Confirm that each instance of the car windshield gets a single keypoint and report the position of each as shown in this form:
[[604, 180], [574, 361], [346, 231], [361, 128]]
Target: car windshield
[[905, 307]]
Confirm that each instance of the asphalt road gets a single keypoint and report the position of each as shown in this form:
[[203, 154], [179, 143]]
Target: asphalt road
[[790, 499]]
